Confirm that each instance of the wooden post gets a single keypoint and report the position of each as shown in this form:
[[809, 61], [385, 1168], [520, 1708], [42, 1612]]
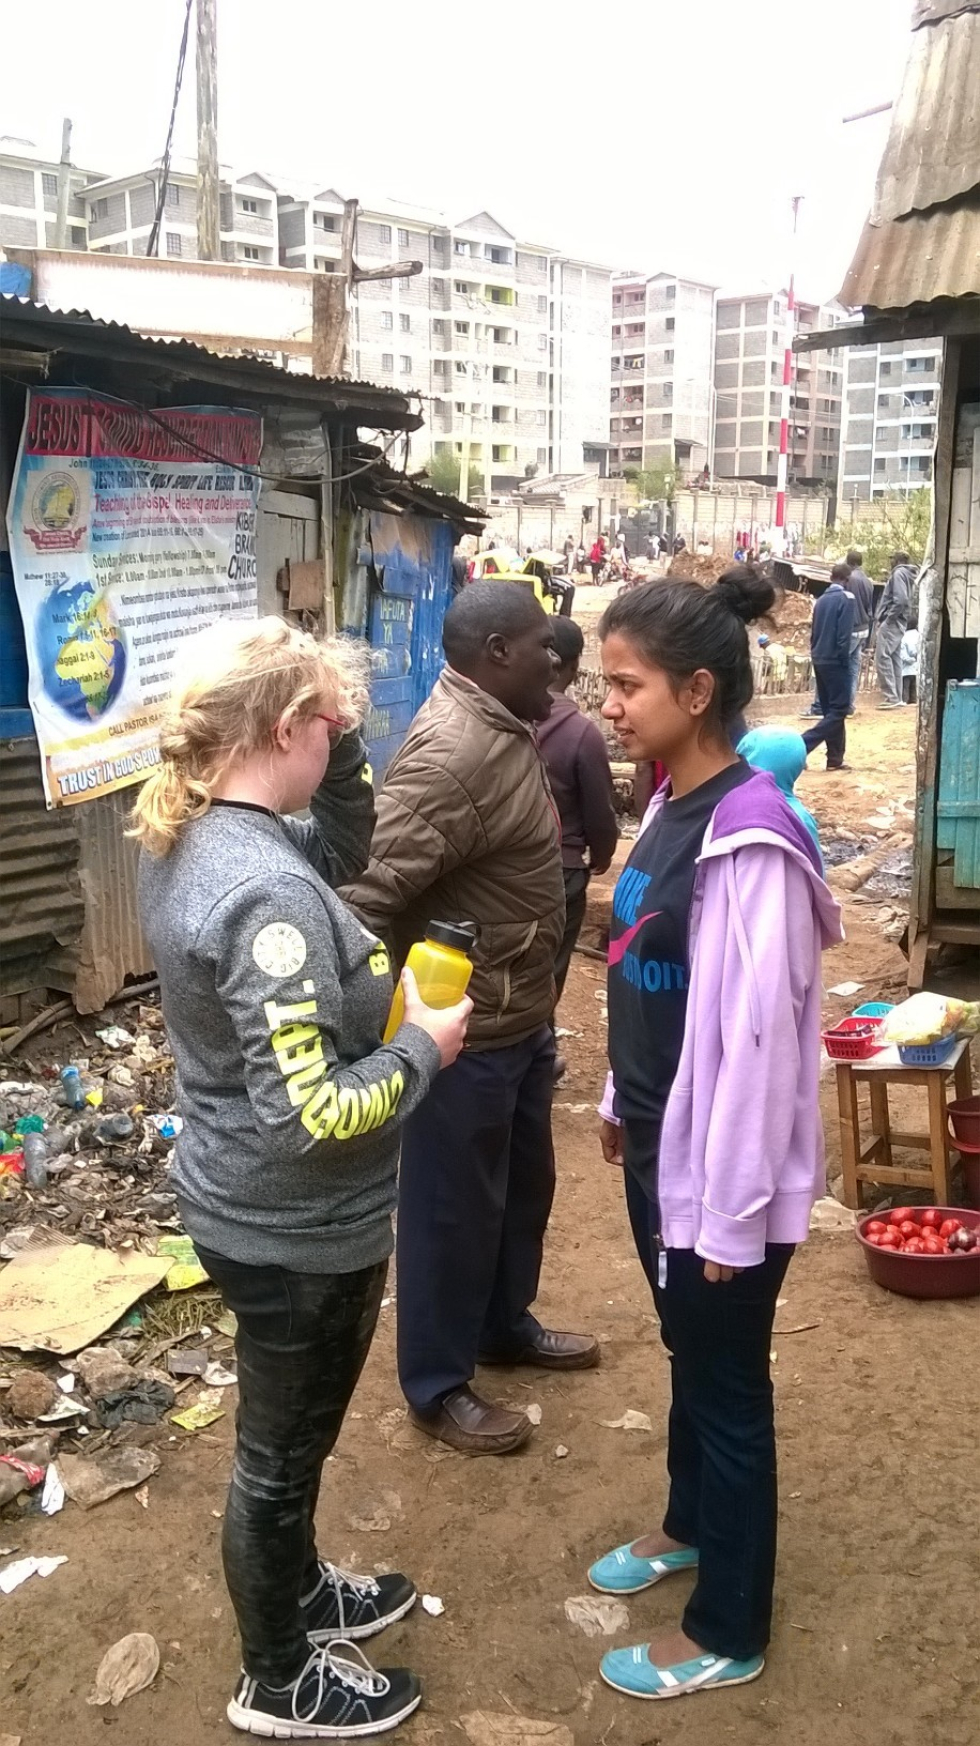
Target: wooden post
[[64, 187], [208, 194], [331, 303]]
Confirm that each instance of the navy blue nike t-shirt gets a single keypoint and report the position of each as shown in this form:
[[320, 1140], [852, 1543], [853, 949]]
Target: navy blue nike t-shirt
[[649, 967]]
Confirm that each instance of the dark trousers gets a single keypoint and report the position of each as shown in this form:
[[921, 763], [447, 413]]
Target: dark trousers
[[834, 697], [721, 1441], [475, 1191], [576, 893], [301, 1344]]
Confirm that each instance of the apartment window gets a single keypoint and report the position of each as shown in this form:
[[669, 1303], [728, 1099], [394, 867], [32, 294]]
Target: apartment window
[[670, 292], [501, 336], [542, 455], [403, 239], [632, 454], [462, 327], [460, 368], [668, 356], [461, 288], [406, 364], [249, 205], [541, 416], [172, 196], [175, 243], [920, 365], [617, 363], [542, 342], [635, 362], [324, 221], [438, 326], [633, 328], [669, 324], [322, 265], [460, 405], [542, 378], [542, 305], [666, 420], [440, 366], [884, 401], [387, 361], [249, 253], [460, 247], [387, 319], [879, 464], [385, 230], [405, 323], [49, 185], [100, 210], [916, 432], [886, 368], [439, 242], [500, 294]]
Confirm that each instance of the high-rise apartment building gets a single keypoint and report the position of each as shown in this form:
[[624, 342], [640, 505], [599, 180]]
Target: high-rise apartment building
[[29, 198], [121, 211], [662, 361], [888, 432], [750, 341]]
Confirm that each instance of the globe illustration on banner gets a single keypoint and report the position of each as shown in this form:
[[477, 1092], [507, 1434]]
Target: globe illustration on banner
[[81, 648]]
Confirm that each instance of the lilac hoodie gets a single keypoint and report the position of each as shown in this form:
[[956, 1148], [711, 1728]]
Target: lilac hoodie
[[741, 1156]]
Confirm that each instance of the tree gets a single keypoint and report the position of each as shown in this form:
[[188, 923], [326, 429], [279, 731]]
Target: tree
[[656, 483], [901, 526], [443, 471]]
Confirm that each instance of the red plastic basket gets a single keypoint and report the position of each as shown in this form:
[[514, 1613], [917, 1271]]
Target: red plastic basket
[[854, 1039]]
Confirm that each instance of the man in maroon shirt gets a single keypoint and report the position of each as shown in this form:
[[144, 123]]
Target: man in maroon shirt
[[577, 761]]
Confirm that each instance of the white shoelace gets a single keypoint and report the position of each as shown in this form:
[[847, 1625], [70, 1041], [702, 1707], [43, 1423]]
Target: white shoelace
[[357, 1674], [364, 1586]]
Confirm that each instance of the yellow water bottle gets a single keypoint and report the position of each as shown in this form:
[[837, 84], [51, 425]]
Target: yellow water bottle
[[441, 966]]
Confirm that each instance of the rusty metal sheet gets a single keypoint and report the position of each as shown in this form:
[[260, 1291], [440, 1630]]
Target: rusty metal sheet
[[917, 259], [111, 946], [41, 902], [933, 149]]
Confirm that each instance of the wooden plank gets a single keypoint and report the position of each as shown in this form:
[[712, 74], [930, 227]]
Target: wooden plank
[[911, 1178], [305, 585]]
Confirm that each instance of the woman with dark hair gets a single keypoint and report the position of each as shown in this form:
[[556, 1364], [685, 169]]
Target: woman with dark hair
[[719, 920]]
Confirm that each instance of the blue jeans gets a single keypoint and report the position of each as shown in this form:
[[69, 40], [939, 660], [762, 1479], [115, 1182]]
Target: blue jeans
[[721, 1441], [475, 1189], [858, 646], [301, 1343]]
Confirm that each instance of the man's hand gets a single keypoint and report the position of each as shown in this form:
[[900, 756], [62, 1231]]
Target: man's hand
[[611, 1141], [716, 1274]]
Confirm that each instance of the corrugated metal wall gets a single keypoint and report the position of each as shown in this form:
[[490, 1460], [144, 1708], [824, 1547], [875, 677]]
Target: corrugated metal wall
[[958, 807], [112, 946], [42, 911]]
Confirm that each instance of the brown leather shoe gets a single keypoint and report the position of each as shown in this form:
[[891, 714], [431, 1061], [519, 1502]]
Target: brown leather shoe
[[550, 1350], [474, 1426]]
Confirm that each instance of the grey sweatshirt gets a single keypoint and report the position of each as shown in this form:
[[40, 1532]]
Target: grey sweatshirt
[[275, 998]]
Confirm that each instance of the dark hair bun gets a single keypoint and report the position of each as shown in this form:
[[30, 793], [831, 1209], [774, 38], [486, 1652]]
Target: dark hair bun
[[746, 592]]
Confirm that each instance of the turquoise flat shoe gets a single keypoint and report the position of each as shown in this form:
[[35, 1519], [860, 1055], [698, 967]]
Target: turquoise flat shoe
[[622, 1573], [631, 1671]]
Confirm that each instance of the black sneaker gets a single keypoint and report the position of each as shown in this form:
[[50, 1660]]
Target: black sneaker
[[345, 1605], [338, 1696]]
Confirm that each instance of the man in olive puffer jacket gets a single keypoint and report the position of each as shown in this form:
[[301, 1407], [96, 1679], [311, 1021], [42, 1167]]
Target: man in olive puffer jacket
[[467, 830]]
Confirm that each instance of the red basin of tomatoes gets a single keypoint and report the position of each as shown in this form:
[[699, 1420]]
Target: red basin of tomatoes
[[922, 1271]]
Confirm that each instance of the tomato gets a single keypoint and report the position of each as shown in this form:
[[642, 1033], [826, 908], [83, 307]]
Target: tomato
[[874, 1228], [879, 1241], [914, 1246], [909, 1228], [933, 1245], [890, 1240], [899, 1214], [948, 1226], [931, 1217]]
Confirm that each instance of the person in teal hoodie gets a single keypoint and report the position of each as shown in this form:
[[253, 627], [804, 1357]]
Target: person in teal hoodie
[[783, 754]]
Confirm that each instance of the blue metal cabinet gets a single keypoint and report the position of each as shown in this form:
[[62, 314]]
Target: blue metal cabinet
[[958, 809]]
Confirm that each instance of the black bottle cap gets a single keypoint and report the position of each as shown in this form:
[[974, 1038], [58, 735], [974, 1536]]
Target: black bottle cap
[[462, 935]]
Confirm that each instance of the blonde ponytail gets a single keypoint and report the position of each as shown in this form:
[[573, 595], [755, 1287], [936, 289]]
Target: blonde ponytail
[[238, 682]]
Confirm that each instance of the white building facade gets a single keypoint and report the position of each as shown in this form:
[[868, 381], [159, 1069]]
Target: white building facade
[[29, 199], [888, 432], [660, 397]]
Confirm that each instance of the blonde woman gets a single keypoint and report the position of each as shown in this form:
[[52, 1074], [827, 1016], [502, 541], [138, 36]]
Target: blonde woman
[[275, 998]]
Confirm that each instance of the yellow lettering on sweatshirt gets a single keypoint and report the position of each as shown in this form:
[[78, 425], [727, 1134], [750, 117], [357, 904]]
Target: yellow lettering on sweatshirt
[[326, 1109]]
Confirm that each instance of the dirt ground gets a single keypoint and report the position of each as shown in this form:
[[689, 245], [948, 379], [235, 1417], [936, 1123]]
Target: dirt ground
[[874, 1637]]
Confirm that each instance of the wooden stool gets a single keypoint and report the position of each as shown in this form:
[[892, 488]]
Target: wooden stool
[[872, 1162]]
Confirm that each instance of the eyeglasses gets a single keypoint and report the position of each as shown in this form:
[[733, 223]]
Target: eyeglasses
[[337, 728]]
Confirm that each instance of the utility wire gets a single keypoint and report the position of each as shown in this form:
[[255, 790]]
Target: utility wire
[[153, 242]]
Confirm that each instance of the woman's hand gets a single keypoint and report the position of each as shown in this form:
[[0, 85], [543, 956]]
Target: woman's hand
[[716, 1274], [611, 1141], [445, 1025]]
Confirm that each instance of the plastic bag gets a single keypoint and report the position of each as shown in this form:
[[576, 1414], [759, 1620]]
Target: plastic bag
[[926, 1018]]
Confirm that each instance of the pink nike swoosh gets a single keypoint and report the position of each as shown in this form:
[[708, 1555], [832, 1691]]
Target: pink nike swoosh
[[619, 948]]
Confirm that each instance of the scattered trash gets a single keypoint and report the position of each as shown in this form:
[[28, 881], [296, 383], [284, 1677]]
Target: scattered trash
[[144, 1402], [827, 1214], [533, 1412], [103, 1370], [184, 1268], [227, 1324], [630, 1421], [92, 1479], [205, 1411], [560, 1452], [121, 1075], [14, 1574], [31, 1394], [192, 1361], [29, 1124], [71, 1085], [35, 1152], [65, 1383], [59, 1296], [563, 1032], [65, 1412], [596, 1616], [142, 1496], [488, 1728], [846, 988], [168, 1126], [53, 1495], [114, 1037], [433, 1605], [216, 1376], [129, 1666], [114, 1127], [17, 1474]]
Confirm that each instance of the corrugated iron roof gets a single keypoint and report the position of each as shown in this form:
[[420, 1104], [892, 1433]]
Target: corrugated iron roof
[[24, 321], [922, 238]]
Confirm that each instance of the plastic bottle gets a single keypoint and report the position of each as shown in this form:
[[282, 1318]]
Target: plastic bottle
[[441, 966], [35, 1160], [71, 1080]]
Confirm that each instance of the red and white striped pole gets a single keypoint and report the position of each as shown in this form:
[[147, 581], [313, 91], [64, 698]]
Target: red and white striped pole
[[782, 470]]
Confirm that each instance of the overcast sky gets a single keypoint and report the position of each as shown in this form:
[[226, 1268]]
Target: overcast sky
[[637, 134]]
